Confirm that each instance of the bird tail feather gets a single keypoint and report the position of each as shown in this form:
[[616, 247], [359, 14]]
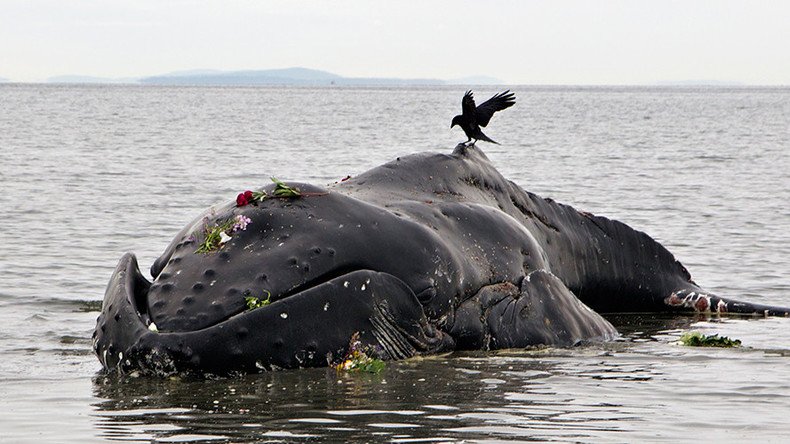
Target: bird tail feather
[[487, 139]]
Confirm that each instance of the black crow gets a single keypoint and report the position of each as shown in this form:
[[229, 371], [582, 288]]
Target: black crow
[[472, 118]]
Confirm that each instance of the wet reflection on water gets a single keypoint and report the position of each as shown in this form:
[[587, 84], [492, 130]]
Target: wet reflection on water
[[641, 387]]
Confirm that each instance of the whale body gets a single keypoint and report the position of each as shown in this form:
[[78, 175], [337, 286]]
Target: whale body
[[425, 254]]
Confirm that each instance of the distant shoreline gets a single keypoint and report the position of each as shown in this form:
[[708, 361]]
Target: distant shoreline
[[308, 77], [268, 77]]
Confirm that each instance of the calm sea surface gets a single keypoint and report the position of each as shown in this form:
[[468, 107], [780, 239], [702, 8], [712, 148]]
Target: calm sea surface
[[90, 172]]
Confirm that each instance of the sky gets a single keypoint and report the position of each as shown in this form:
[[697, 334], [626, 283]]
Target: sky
[[521, 42]]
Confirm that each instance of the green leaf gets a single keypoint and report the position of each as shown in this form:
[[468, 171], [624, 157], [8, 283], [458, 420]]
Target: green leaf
[[373, 366], [259, 195], [254, 302], [212, 241], [283, 190]]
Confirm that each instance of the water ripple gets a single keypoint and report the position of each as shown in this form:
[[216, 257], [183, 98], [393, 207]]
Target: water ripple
[[90, 172]]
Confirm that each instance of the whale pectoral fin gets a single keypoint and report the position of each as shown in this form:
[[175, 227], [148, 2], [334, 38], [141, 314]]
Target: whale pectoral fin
[[309, 329], [699, 301], [543, 311], [319, 323]]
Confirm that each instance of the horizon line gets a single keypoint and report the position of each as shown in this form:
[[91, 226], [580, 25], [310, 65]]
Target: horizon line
[[662, 83]]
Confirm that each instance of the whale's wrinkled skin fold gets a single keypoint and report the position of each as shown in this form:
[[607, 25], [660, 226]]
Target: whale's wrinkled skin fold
[[425, 254]]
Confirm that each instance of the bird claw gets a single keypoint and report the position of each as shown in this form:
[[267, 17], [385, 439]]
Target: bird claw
[[463, 146]]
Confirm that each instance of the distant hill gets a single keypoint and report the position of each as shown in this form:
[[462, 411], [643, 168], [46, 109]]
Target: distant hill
[[285, 76], [191, 72], [4, 80]]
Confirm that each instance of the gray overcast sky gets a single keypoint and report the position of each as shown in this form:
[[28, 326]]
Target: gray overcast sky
[[528, 42]]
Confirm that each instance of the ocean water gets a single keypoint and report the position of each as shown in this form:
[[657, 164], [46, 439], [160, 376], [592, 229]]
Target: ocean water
[[90, 172]]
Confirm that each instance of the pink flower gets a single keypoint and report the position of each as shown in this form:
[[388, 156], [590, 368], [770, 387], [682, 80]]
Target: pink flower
[[241, 223]]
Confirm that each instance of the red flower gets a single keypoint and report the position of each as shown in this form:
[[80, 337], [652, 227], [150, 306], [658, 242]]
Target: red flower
[[241, 200], [248, 195]]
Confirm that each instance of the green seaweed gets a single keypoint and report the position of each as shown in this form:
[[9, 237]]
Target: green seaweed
[[697, 339]]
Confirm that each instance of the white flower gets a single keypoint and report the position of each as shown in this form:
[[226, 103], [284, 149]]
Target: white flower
[[152, 327], [223, 237]]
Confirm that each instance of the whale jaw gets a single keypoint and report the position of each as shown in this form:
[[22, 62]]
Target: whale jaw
[[309, 329]]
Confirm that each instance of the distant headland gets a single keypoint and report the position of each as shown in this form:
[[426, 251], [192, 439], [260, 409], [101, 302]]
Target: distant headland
[[298, 76], [285, 76]]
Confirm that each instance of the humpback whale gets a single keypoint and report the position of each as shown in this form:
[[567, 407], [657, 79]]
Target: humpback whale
[[428, 253]]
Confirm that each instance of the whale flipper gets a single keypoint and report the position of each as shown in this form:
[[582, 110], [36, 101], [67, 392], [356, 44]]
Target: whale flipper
[[703, 302], [542, 311], [377, 307]]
